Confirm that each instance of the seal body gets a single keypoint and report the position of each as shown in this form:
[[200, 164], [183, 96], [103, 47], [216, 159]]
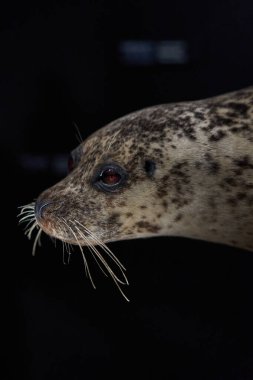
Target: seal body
[[182, 169]]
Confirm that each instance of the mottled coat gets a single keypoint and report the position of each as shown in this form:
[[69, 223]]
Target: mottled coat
[[189, 172]]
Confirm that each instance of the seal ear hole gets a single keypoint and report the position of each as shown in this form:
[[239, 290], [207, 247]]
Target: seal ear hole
[[149, 167]]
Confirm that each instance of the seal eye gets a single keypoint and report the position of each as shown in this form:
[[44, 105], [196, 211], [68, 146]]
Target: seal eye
[[110, 178]]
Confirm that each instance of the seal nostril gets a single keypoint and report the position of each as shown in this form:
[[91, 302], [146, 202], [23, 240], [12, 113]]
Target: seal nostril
[[40, 207]]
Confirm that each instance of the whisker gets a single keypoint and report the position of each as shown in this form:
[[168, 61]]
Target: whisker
[[64, 246], [27, 207], [27, 210], [36, 240], [29, 231], [110, 271], [95, 250], [78, 133], [68, 248], [94, 257], [102, 245], [27, 215], [87, 271], [28, 223], [63, 253], [91, 248], [83, 255], [109, 252], [25, 218], [116, 280]]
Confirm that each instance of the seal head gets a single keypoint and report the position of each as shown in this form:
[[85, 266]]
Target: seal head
[[182, 169]]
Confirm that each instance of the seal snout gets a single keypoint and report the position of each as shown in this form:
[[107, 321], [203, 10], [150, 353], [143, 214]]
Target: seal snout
[[40, 206]]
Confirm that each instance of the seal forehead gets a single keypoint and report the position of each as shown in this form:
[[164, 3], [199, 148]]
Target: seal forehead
[[150, 127]]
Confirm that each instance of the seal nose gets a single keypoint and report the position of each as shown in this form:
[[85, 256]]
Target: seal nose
[[40, 207]]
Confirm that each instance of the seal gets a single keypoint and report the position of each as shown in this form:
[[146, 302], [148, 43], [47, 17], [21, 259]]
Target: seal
[[179, 169]]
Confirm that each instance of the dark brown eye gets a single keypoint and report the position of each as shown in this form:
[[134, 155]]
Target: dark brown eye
[[110, 177]]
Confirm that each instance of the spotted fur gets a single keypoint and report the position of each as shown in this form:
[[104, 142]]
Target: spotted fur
[[190, 173]]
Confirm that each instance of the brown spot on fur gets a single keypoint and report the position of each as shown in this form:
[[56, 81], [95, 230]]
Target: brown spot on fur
[[232, 201], [143, 225], [178, 217], [239, 109], [165, 204], [162, 191], [217, 136], [231, 181], [240, 196], [212, 165], [240, 129], [114, 219], [244, 162]]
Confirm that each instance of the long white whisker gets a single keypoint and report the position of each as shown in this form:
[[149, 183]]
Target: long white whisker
[[110, 271], [63, 254], [91, 248], [108, 252], [112, 274], [81, 249], [27, 215], [79, 233], [87, 270], [29, 231], [24, 208], [26, 218], [95, 250], [68, 246], [64, 247], [36, 240], [29, 223], [102, 245]]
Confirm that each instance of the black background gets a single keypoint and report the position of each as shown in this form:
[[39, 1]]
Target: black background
[[190, 314]]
